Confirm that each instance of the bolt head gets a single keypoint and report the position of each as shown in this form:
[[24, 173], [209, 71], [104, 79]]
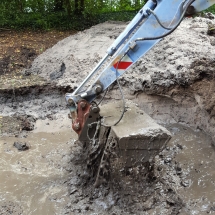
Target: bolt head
[[95, 109], [98, 88], [77, 126], [71, 102], [83, 105]]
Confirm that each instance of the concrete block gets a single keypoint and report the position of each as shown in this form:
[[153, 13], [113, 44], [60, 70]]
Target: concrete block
[[139, 138]]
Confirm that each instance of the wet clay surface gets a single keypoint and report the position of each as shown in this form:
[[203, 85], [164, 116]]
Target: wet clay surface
[[33, 181], [194, 164], [51, 177]]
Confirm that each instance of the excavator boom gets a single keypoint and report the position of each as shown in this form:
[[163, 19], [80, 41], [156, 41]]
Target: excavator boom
[[153, 22], [156, 20]]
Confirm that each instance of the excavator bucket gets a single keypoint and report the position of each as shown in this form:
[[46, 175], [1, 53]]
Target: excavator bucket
[[134, 141]]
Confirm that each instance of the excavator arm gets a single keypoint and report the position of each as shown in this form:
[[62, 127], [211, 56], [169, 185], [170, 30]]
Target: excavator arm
[[156, 20]]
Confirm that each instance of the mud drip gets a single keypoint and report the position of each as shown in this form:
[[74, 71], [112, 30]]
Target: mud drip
[[105, 163], [94, 150], [110, 152]]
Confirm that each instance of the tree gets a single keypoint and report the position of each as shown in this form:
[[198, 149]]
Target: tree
[[79, 6], [58, 5], [20, 5], [68, 7]]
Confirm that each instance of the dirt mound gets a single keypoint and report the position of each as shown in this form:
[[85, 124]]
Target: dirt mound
[[168, 62], [173, 66]]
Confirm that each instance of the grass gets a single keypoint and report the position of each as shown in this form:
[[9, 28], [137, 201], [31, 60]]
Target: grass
[[211, 9]]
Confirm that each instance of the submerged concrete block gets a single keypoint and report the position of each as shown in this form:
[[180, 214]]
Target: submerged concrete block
[[138, 137]]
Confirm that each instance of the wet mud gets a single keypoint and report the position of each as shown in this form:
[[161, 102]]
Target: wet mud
[[173, 84], [33, 181], [52, 177]]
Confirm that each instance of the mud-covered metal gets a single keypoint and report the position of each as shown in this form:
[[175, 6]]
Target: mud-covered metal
[[83, 123], [134, 141]]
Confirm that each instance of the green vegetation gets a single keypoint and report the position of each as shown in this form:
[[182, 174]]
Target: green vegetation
[[211, 9], [66, 14]]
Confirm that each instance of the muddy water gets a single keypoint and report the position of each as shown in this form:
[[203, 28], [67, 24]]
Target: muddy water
[[34, 181], [197, 158], [197, 161]]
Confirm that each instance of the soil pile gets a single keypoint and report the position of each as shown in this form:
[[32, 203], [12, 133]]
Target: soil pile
[[180, 67], [70, 60]]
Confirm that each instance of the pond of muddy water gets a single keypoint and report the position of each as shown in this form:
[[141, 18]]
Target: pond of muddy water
[[32, 181], [196, 159], [35, 181]]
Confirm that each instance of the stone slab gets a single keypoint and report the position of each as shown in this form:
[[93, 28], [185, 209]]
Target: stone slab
[[139, 138]]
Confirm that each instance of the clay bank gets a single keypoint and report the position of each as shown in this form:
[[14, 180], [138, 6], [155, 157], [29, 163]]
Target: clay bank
[[174, 84]]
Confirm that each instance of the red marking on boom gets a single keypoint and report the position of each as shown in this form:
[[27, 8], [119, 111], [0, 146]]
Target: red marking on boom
[[122, 65]]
